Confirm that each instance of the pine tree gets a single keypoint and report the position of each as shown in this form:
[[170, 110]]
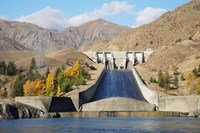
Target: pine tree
[[3, 68], [33, 64], [161, 81], [11, 69], [18, 85]]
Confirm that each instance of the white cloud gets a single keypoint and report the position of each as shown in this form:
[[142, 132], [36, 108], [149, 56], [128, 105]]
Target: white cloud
[[51, 18], [3, 17], [48, 17], [148, 15], [108, 9]]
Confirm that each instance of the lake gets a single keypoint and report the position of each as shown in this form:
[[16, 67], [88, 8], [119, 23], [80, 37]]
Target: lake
[[101, 125]]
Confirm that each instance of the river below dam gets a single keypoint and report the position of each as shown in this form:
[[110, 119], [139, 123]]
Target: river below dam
[[101, 125]]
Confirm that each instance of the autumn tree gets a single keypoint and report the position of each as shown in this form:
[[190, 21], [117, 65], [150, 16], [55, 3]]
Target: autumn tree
[[29, 88], [50, 90], [40, 88], [34, 88]]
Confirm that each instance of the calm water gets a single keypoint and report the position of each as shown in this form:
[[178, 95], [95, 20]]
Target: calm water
[[118, 83], [101, 125]]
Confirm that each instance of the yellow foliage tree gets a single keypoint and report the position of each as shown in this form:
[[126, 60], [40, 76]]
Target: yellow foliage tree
[[74, 71], [69, 72], [40, 88], [50, 91], [58, 91], [197, 86], [29, 88], [189, 80]]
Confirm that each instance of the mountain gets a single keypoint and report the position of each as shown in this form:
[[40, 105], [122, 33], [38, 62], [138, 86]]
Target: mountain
[[7, 44], [26, 34], [181, 24]]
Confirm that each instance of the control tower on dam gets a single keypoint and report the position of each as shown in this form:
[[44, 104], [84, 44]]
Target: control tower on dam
[[119, 60]]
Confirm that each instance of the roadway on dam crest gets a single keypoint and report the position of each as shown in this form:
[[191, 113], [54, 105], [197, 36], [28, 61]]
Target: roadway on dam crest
[[118, 83]]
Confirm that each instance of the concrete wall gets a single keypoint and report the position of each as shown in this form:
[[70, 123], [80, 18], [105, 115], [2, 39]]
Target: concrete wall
[[86, 95], [179, 103], [118, 104], [48, 104], [149, 95], [96, 114]]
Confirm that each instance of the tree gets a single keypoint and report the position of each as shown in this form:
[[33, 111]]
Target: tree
[[18, 85], [29, 88], [30, 75], [195, 72], [3, 68], [161, 81], [197, 86], [189, 80], [199, 68], [58, 91], [37, 75], [47, 72], [40, 87], [34, 88], [175, 81], [33, 64], [50, 90], [11, 69]]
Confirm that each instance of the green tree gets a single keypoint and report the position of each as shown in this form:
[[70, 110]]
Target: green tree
[[18, 85], [195, 72], [175, 81], [11, 69], [33, 64], [30, 75], [37, 75], [199, 68], [3, 68], [161, 81]]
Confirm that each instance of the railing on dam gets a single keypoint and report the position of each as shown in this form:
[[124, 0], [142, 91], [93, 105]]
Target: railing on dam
[[119, 60]]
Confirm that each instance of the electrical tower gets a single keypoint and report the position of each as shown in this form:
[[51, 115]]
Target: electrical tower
[[39, 53]]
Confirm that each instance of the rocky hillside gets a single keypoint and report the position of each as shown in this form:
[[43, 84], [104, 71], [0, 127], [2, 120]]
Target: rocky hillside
[[181, 24], [73, 37], [7, 44]]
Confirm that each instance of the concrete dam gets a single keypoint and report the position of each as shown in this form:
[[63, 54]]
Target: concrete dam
[[117, 87]]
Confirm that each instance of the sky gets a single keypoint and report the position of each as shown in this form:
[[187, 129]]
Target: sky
[[59, 14]]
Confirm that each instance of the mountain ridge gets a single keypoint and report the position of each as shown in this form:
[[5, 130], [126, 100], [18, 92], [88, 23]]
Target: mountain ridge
[[71, 37]]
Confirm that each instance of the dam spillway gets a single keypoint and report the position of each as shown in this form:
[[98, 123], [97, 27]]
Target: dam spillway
[[118, 83]]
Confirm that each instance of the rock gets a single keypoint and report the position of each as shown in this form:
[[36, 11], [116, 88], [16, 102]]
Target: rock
[[195, 113], [18, 110]]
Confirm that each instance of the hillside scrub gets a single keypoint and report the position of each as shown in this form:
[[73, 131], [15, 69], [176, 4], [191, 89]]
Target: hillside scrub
[[55, 83]]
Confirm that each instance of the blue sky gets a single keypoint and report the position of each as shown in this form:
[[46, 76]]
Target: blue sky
[[58, 14]]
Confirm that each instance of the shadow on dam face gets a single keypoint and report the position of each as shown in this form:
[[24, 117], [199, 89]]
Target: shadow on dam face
[[118, 83]]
